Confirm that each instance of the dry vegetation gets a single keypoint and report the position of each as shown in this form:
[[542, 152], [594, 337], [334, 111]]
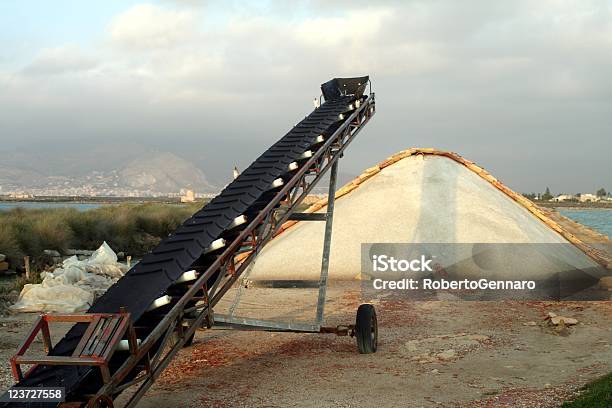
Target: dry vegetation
[[131, 228]]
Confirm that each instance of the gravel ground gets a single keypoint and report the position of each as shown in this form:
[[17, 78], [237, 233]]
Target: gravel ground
[[433, 353]]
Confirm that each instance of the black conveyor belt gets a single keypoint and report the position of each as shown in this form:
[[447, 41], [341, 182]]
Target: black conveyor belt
[[159, 269]]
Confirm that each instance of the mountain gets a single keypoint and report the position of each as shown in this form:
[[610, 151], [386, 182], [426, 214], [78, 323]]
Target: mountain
[[10, 175], [100, 172], [132, 170], [163, 172]]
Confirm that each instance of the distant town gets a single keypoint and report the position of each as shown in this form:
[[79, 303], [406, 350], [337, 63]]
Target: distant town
[[159, 175], [600, 195], [184, 195], [187, 195]]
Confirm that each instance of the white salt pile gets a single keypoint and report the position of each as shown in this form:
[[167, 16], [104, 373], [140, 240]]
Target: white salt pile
[[423, 198]]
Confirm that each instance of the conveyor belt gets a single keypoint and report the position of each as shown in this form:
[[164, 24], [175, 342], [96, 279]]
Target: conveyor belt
[[186, 248]]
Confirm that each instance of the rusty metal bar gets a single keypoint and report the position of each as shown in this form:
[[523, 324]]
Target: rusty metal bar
[[46, 336], [308, 217], [93, 325], [60, 360]]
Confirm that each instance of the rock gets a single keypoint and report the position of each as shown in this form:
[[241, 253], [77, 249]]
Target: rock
[[568, 321], [446, 354], [434, 371], [477, 337], [120, 255], [562, 329], [531, 323], [82, 252], [52, 253], [2, 257], [604, 283], [551, 315], [411, 346]]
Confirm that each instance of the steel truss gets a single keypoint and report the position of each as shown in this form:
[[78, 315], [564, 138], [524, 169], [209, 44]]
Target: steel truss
[[194, 309]]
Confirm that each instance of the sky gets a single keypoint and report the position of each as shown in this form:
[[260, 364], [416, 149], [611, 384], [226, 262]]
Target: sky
[[523, 88]]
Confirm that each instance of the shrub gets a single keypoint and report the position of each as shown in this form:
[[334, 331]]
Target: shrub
[[9, 245], [131, 228]]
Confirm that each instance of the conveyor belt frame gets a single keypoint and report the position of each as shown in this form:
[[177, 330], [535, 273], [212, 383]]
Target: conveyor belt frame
[[259, 231]]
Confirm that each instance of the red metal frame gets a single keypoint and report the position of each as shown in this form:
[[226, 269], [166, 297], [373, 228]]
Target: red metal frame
[[95, 348]]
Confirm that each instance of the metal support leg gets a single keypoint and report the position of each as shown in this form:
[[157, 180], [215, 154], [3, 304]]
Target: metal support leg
[[230, 319], [327, 243]]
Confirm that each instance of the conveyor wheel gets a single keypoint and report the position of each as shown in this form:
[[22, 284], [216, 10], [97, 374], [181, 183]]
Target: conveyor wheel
[[366, 329]]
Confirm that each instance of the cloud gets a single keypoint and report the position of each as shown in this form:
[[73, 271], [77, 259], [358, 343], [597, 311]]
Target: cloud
[[67, 59], [147, 26], [477, 77], [165, 53], [354, 27]]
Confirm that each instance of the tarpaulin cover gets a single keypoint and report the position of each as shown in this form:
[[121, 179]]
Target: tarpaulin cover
[[74, 286]]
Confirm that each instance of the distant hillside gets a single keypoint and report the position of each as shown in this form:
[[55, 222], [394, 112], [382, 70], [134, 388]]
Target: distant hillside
[[130, 171], [163, 172], [102, 170], [10, 175]]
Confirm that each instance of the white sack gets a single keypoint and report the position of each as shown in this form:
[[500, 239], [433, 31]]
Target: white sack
[[74, 286], [61, 299]]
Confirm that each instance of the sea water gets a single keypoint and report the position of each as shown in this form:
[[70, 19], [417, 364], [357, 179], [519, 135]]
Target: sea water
[[597, 219], [6, 205]]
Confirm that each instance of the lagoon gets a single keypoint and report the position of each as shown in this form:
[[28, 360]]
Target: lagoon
[[9, 205], [597, 219]]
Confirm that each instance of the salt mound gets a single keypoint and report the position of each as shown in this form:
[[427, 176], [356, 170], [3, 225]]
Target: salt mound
[[420, 198], [74, 286]]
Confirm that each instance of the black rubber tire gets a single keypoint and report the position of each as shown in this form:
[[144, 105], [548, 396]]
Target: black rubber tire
[[366, 329]]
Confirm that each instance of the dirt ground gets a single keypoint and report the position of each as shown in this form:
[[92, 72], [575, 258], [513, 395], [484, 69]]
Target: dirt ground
[[430, 354], [434, 353]]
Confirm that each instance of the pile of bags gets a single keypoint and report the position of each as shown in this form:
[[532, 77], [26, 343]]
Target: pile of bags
[[74, 286]]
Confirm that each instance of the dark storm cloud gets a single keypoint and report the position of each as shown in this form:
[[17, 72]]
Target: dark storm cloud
[[522, 88]]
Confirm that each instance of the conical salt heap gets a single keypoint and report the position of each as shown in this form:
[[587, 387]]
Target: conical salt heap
[[420, 196]]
